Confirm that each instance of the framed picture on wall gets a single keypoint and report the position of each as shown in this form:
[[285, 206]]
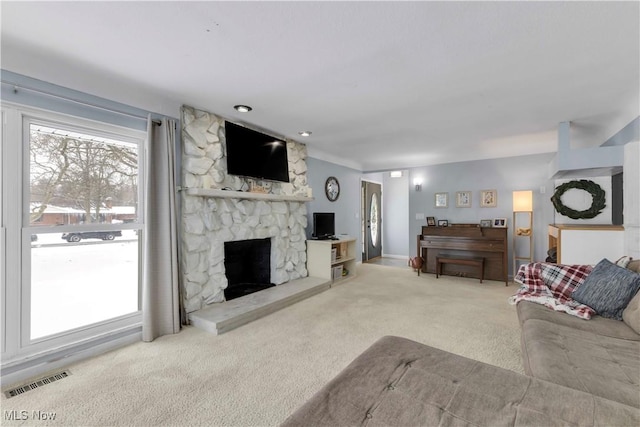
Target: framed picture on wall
[[488, 198], [463, 199], [442, 200]]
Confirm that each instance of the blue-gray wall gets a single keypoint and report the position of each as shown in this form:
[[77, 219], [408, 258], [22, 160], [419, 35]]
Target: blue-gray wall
[[504, 175], [629, 133], [346, 208], [401, 202], [395, 211]]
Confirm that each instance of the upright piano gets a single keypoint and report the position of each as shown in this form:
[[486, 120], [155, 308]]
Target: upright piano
[[466, 240]]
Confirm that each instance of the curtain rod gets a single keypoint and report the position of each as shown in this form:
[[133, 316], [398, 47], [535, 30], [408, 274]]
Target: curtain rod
[[17, 86]]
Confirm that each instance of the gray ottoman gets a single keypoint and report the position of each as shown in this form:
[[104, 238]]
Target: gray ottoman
[[399, 382]]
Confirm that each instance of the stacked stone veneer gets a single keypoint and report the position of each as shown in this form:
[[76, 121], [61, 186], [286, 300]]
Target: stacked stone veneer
[[208, 222]]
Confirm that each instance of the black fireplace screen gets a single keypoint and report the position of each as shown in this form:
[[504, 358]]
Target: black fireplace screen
[[247, 266]]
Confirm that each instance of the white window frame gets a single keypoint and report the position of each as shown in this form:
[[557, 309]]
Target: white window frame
[[17, 344], [3, 295]]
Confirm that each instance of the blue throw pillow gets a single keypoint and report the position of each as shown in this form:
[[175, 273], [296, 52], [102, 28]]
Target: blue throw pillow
[[608, 289]]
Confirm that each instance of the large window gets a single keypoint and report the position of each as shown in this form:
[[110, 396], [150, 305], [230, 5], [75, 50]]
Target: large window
[[89, 184], [76, 231]]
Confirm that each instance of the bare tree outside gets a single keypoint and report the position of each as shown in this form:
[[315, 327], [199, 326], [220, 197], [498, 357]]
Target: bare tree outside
[[80, 172]]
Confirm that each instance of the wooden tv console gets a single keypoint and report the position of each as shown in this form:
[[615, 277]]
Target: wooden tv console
[[465, 240]]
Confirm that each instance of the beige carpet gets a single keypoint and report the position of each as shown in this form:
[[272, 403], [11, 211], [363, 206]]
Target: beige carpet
[[258, 374]]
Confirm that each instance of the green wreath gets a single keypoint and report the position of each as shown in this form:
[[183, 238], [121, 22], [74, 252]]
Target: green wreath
[[597, 203]]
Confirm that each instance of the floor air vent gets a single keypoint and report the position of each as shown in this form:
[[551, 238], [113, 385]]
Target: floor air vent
[[37, 383]]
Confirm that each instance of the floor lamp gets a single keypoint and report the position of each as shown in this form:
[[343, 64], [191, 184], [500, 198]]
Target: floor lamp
[[522, 204]]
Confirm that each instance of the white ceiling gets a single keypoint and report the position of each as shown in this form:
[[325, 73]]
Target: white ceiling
[[382, 85]]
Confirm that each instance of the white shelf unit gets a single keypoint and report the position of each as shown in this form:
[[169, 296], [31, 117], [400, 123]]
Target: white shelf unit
[[586, 244], [320, 262]]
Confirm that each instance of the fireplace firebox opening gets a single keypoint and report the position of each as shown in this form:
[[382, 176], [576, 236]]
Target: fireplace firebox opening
[[247, 266]]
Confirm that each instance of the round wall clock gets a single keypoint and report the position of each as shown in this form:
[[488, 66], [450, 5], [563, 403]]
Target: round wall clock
[[332, 188]]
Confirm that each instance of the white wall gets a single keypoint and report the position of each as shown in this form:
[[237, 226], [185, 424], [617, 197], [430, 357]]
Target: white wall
[[631, 184]]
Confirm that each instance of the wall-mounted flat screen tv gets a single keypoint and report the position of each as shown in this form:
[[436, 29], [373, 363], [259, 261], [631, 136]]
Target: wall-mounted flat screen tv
[[324, 225], [254, 154]]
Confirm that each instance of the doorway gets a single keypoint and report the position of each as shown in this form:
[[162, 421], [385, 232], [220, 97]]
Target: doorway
[[371, 214]]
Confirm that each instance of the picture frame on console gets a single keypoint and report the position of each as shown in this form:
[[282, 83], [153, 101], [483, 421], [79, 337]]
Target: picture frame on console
[[485, 223], [443, 223], [431, 221], [500, 222]]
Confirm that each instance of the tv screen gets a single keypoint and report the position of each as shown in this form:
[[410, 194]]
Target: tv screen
[[255, 154], [324, 225]]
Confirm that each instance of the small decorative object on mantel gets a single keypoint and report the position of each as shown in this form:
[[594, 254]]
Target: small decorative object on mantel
[[431, 221], [500, 222], [485, 223], [597, 203], [254, 188], [488, 198], [443, 223]]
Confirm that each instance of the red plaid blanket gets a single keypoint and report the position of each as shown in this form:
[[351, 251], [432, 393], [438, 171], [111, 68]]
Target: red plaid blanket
[[552, 285]]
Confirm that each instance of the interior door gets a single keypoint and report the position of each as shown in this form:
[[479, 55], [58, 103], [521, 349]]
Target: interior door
[[372, 220]]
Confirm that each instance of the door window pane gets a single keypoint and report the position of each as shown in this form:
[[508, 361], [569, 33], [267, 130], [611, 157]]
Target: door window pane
[[374, 220]]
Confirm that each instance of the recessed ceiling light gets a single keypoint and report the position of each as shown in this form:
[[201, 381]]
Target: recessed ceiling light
[[242, 108], [305, 133]]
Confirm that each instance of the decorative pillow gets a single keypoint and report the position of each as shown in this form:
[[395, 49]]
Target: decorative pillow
[[608, 289], [631, 314], [634, 265], [623, 261]]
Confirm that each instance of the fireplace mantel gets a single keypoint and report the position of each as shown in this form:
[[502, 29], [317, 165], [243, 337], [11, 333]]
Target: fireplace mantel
[[229, 194]]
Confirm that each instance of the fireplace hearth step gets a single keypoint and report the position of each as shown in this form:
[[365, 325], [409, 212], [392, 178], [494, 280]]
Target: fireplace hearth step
[[222, 317], [245, 289]]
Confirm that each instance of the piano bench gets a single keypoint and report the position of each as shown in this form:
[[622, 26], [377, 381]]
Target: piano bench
[[459, 260]]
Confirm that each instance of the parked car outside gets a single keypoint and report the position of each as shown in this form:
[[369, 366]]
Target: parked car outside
[[102, 235]]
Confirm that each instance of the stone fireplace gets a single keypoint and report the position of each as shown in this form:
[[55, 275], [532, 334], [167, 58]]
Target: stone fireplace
[[211, 219]]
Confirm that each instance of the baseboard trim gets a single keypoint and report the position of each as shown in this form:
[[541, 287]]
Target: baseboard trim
[[395, 256], [38, 366]]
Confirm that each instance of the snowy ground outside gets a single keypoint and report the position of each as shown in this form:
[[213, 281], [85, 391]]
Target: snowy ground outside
[[77, 284]]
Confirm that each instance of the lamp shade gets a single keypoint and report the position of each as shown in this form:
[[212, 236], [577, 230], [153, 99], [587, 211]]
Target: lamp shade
[[523, 201]]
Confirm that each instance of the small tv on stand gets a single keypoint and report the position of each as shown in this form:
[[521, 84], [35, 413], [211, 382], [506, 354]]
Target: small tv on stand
[[324, 225]]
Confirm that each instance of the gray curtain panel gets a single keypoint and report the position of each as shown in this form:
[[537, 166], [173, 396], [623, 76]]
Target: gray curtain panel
[[160, 285]]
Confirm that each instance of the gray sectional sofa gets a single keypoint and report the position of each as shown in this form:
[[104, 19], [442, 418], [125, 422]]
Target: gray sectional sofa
[[599, 356], [578, 373]]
